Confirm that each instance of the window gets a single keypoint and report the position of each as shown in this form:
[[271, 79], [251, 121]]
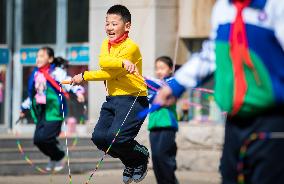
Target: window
[[27, 71], [205, 108], [76, 109], [2, 21], [39, 21], [78, 21]]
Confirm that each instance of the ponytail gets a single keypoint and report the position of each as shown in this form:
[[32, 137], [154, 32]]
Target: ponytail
[[60, 62]]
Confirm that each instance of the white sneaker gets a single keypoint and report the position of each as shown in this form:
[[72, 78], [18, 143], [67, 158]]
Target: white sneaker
[[49, 165], [127, 175], [140, 172], [59, 165]]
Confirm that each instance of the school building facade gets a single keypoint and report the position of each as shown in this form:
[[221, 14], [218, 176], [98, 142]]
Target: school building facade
[[75, 29]]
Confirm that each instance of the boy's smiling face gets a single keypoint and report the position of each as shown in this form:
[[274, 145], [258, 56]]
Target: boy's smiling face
[[115, 27]]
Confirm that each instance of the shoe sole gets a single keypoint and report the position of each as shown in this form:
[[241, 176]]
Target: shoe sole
[[129, 181], [58, 169], [141, 178]]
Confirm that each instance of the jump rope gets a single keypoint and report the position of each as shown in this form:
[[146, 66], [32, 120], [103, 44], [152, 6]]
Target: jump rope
[[65, 134]]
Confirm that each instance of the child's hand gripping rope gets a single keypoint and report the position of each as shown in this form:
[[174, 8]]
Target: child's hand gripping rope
[[154, 86], [147, 111]]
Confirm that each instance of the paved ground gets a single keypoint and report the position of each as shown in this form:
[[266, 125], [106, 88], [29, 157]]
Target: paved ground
[[108, 177]]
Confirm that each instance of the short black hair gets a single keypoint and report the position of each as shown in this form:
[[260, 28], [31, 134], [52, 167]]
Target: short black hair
[[167, 60], [122, 11]]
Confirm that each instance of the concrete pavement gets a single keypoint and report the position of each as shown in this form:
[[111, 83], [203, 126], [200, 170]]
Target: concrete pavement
[[109, 177]]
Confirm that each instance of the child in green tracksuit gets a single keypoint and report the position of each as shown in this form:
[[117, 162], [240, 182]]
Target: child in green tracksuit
[[163, 127], [46, 106]]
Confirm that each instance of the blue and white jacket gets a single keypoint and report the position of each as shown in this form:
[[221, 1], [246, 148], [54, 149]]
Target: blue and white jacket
[[264, 24]]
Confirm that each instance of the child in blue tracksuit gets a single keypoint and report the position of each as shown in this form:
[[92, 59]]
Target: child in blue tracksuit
[[163, 127], [246, 51]]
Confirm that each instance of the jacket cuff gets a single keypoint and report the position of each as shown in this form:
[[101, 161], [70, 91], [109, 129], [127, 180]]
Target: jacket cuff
[[176, 87]]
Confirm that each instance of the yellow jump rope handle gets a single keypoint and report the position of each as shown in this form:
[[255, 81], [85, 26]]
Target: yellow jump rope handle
[[66, 82]]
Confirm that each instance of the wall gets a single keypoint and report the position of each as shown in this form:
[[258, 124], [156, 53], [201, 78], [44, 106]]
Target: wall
[[194, 18], [194, 22]]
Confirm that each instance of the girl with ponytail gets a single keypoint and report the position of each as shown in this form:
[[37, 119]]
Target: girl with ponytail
[[45, 104]]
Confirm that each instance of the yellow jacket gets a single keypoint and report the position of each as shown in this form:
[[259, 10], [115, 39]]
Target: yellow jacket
[[118, 80]]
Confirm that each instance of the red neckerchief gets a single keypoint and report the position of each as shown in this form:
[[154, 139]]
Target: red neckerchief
[[239, 53], [118, 40], [45, 70]]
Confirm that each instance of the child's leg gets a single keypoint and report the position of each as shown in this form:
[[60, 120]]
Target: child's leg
[[164, 151], [45, 139], [130, 152], [102, 126], [262, 163], [104, 123], [230, 155]]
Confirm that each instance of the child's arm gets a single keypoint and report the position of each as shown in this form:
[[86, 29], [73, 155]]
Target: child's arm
[[112, 67], [109, 62], [97, 75], [100, 75]]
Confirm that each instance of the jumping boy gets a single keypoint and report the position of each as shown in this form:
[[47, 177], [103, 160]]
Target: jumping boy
[[120, 61]]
